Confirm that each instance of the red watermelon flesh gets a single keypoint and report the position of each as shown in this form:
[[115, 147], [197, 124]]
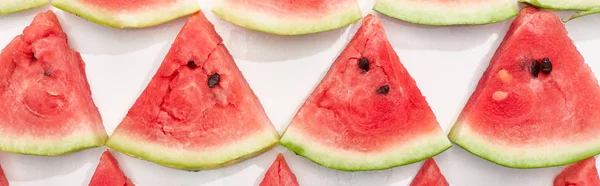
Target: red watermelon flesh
[[429, 175], [108, 172], [198, 111], [369, 116], [44, 94], [279, 174], [518, 120], [3, 180], [582, 173]]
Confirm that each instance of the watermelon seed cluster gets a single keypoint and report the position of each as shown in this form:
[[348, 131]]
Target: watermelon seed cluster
[[545, 67]]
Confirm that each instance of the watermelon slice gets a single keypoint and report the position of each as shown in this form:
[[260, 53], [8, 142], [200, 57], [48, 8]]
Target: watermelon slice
[[444, 12], [537, 104], [583, 173], [46, 103], [292, 17], [12, 6], [564, 4], [128, 13], [3, 180], [108, 172], [429, 175], [367, 113], [279, 174], [198, 111]]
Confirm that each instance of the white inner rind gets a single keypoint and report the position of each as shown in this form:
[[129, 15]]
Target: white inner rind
[[406, 152], [183, 157], [551, 153], [249, 17], [142, 17], [11, 6], [432, 13]]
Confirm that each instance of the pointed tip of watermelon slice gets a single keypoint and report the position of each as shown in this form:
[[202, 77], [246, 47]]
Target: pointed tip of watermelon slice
[[3, 180], [279, 174], [581, 173], [108, 172], [12, 6], [429, 175]]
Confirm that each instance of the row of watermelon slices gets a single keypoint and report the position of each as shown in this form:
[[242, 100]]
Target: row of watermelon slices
[[367, 113], [297, 16]]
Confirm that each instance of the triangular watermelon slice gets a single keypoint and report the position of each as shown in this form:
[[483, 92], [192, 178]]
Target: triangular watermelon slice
[[12, 6], [367, 113], [291, 17], [582, 173], [279, 174], [3, 180], [537, 104], [45, 99], [108, 172], [429, 175], [444, 12], [128, 13], [198, 111]]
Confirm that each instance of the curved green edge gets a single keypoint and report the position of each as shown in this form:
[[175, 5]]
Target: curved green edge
[[449, 17], [248, 21], [141, 153], [300, 150], [483, 152], [24, 5], [106, 19], [561, 4], [584, 13], [46, 148]]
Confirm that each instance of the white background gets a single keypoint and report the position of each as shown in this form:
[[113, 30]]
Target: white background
[[446, 63]]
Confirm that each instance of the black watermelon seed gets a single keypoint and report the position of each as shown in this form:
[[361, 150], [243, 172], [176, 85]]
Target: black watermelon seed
[[535, 68], [385, 89], [546, 66], [47, 74], [363, 64], [213, 80], [192, 64]]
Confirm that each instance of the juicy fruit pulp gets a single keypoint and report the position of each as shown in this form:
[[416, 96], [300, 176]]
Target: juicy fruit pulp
[[582, 173], [187, 118], [444, 12], [3, 180], [359, 119], [108, 173], [518, 120], [12, 6], [429, 175], [44, 94], [279, 174], [128, 13], [291, 17]]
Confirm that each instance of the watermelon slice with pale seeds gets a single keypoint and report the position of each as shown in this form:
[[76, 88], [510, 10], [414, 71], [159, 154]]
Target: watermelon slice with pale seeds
[[291, 17], [198, 111], [429, 175], [128, 13], [537, 104], [367, 113], [108, 172], [445, 12], [12, 6], [279, 174], [3, 180], [46, 103]]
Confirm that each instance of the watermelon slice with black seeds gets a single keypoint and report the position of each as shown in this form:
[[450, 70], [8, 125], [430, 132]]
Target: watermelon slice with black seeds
[[198, 111], [45, 98], [108, 172], [582, 173], [537, 104], [279, 174], [128, 13], [429, 175], [12, 6], [367, 113], [290, 17]]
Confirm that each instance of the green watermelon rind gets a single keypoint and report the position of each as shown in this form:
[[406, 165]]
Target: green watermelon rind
[[132, 20], [433, 14], [20, 5], [582, 5], [245, 17], [517, 158], [584, 13], [191, 161], [49, 147], [427, 146]]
